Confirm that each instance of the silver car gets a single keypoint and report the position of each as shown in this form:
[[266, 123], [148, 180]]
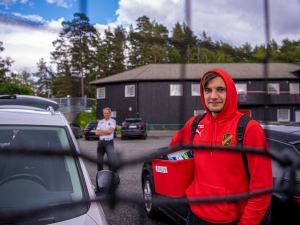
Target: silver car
[[42, 178]]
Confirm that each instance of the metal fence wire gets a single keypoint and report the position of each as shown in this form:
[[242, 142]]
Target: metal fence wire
[[285, 159]]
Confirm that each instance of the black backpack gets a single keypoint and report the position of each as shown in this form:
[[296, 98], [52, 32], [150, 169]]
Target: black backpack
[[239, 135]]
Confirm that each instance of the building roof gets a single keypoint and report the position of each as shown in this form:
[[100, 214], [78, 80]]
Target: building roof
[[238, 71]]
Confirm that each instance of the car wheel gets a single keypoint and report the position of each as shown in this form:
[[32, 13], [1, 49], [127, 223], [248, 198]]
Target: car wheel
[[86, 138], [149, 196]]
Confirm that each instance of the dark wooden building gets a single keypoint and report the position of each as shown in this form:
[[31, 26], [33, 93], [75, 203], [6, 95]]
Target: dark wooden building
[[167, 95]]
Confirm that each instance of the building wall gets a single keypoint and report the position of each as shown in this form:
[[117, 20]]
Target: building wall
[[153, 102]]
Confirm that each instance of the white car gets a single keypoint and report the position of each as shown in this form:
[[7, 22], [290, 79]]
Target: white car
[[37, 188]]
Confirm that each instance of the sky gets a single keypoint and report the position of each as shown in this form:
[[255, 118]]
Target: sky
[[28, 27]]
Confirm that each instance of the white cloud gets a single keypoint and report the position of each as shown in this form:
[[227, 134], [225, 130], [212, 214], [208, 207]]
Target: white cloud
[[235, 22], [26, 45], [34, 18], [60, 3]]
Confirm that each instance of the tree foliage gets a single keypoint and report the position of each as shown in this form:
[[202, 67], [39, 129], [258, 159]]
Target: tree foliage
[[83, 55]]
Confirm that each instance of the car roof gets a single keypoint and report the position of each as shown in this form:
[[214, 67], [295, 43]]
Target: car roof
[[28, 100], [30, 110], [284, 133], [133, 119], [31, 117]]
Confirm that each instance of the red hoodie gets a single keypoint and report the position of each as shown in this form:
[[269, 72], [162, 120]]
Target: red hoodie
[[222, 173]]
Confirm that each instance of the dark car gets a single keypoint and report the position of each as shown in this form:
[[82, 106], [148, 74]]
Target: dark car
[[90, 131], [284, 141], [77, 130], [133, 127]]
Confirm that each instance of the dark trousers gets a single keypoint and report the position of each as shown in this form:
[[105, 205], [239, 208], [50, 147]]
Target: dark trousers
[[192, 219], [102, 148]]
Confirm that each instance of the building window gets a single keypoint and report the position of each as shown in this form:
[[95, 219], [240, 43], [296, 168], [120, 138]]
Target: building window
[[273, 88], [101, 93], [197, 112], [130, 90], [294, 88], [241, 89], [195, 89], [283, 115], [176, 90], [113, 114]]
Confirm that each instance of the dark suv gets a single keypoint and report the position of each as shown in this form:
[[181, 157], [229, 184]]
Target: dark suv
[[133, 127], [90, 131], [161, 179]]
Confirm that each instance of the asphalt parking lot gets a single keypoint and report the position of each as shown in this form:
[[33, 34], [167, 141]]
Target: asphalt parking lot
[[130, 186]]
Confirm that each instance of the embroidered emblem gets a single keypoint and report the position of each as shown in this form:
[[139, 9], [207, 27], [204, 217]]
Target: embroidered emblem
[[108, 124], [227, 138]]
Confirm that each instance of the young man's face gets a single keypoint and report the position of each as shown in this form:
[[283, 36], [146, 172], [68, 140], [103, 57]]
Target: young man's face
[[106, 114], [215, 95]]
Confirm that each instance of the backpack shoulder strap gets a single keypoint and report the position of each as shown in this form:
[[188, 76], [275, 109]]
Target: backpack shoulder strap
[[195, 124], [240, 135]]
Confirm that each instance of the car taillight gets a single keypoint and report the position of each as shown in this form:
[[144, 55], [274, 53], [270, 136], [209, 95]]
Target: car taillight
[[141, 126], [124, 126], [86, 129]]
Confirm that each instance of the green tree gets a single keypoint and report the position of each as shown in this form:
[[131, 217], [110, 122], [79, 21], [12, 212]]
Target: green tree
[[45, 77], [13, 88], [73, 50], [5, 65]]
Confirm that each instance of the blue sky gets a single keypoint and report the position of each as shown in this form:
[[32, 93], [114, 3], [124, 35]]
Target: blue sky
[[28, 27], [99, 11]]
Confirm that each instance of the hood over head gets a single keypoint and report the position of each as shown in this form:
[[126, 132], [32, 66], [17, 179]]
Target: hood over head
[[231, 102]]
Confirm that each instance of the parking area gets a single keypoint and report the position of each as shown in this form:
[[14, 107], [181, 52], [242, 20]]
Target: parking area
[[130, 186]]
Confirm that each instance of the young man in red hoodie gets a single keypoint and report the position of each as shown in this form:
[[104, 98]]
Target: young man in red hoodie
[[222, 173]]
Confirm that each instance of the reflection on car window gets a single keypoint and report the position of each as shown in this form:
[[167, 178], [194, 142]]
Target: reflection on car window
[[38, 180]]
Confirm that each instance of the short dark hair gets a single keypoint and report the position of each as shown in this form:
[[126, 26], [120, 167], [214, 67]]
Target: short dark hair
[[208, 77]]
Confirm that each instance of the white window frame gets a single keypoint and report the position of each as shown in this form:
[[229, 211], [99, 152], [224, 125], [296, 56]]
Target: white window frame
[[175, 89], [101, 93], [294, 88], [199, 111], [195, 90], [283, 115], [273, 86], [130, 90], [113, 114], [241, 89]]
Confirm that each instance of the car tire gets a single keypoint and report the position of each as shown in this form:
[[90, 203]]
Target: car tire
[[149, 195], [86, 138]]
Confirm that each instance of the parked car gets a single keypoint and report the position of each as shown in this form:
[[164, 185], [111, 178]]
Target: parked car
[[133, 127], [282, 139], [90, 131], [77, 130], [39, 184]]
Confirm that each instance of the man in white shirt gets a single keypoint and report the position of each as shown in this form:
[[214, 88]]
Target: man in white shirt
[[105, 130]]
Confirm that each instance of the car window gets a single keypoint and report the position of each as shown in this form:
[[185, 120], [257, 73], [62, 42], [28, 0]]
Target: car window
[[48, 180], [278, 169], [133, 120]]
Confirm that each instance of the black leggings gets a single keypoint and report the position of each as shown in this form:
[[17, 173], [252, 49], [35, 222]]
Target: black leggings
[[192, 219]]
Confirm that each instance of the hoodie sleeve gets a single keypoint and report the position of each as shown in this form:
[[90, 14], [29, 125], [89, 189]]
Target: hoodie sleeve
[[260, 169], [183, 135]]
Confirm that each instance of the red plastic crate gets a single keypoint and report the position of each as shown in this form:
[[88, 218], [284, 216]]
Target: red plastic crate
[[172, 177]]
